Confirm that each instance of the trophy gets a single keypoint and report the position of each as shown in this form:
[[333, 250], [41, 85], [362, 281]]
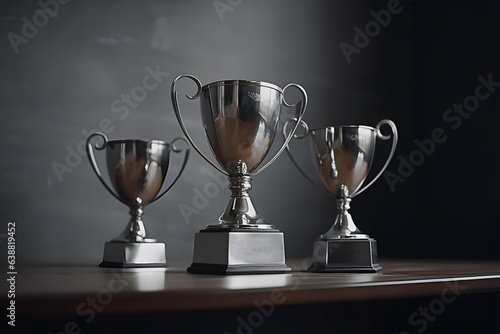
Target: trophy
[[240, 119], [136, 169], [343, 156]]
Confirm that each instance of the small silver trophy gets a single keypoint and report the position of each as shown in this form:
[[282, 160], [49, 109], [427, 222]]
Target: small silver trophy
[[343, 156], [137, 170], [240, 119]]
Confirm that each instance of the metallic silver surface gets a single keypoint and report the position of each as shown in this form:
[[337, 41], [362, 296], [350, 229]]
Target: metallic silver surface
[[226, 252], [244, 248], [240, 119], [240, 212], [343, 225], [343, 156], [133, 254], [137, 170]]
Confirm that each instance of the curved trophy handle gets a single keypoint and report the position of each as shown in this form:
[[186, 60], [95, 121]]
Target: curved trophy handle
[[181, 122], [393, 149], [299, 136], [184, 162], [93, 163], [301, 108]]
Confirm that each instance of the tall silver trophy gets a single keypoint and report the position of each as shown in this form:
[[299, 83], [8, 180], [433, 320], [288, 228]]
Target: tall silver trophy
[[240, 119], [343, 156], [136, 170]]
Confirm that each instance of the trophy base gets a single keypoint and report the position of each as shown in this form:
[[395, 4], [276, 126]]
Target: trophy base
[[345, 255], [238, 252], [133, 255]]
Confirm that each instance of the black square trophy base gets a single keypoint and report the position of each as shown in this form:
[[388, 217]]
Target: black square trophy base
[[133, 255], [238, 252], [345, 255]]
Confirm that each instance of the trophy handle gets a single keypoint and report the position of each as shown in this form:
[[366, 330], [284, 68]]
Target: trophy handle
[[93, 163], [300, 110], [299, 136], [393, 149], [184, 162], [181, 122]]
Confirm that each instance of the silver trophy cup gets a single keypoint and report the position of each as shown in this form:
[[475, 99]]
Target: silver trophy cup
[[240, 119], [343, 156], [136, 170]]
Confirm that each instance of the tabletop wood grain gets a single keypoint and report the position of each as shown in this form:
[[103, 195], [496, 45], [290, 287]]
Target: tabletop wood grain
[[60, 290]]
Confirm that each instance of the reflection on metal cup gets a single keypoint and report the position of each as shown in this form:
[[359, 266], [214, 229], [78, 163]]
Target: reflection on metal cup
[[137, 170], [343, 157], [240, 119]]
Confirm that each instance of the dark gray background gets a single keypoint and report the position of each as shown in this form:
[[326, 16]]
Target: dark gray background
[[64, 80]]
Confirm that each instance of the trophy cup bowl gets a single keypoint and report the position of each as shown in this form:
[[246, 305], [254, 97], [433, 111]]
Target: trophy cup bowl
[[343, 157], [137, 170], [240, 119]]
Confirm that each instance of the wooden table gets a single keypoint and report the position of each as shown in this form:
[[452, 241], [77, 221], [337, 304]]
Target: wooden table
[[406, 297]]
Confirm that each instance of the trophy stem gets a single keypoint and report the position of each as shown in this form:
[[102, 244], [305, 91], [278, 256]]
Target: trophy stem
[[240, 212], [135, 231], [344, 248], [133, 248], [343, 226], [242, 242]]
